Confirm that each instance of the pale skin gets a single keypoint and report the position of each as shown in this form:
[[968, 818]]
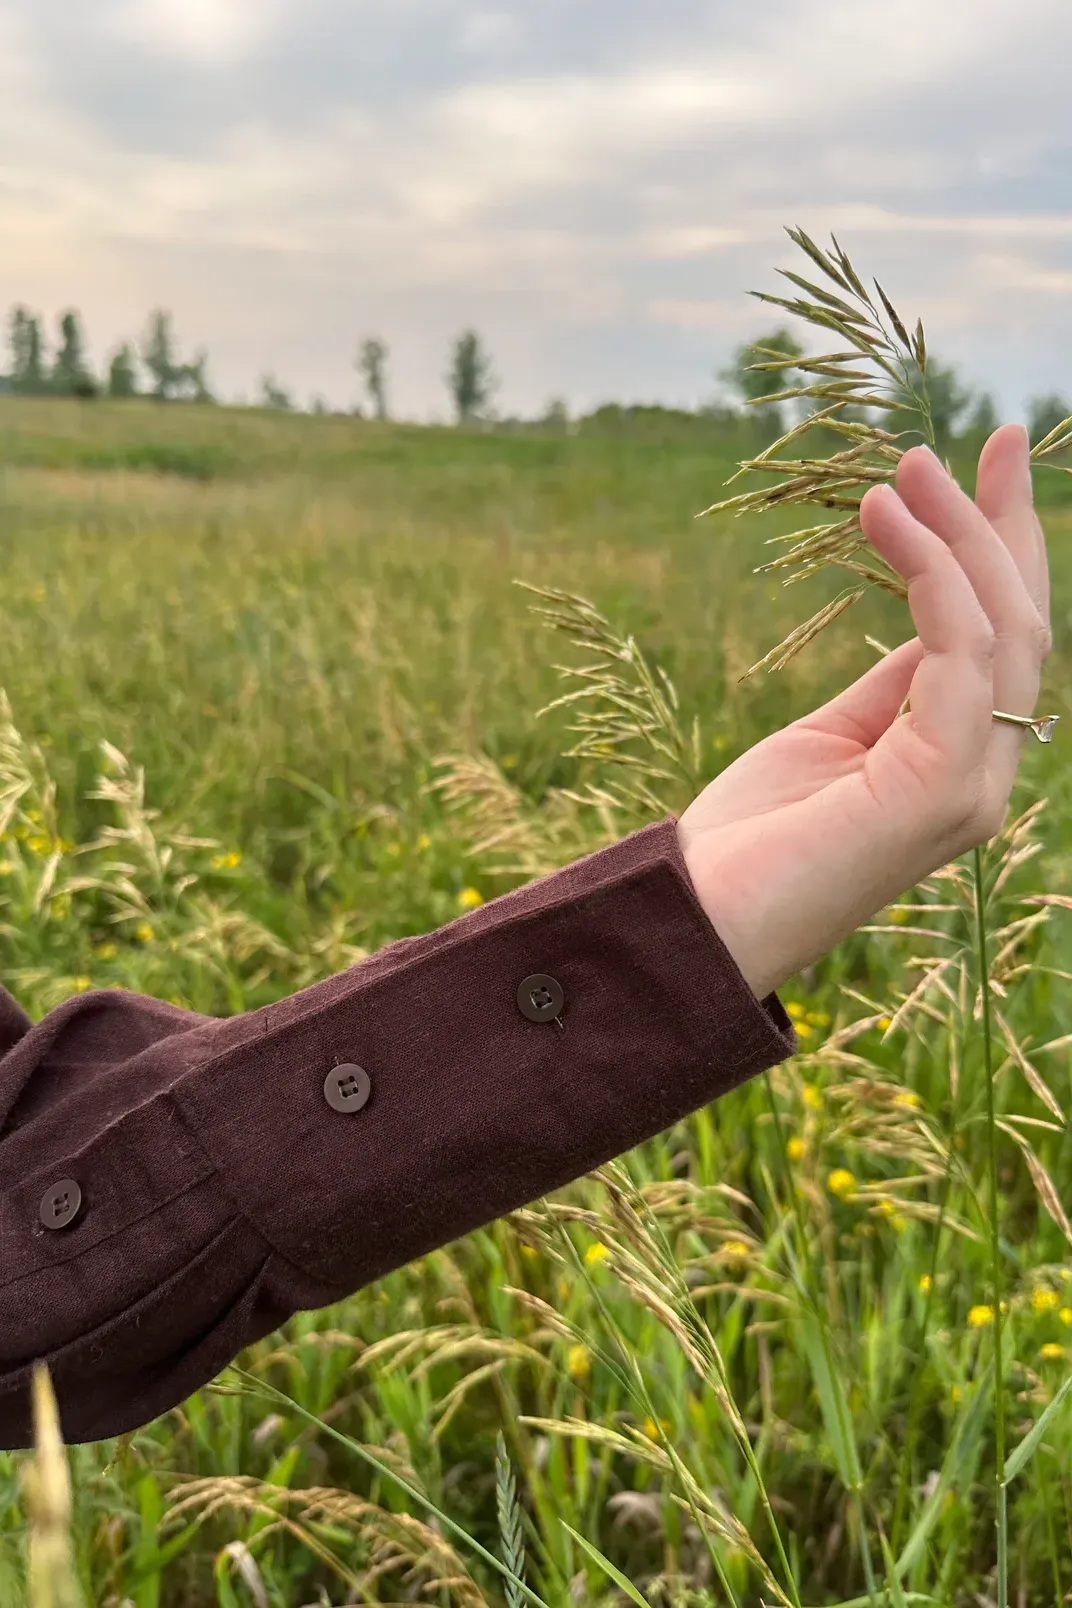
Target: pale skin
[[819, 826]]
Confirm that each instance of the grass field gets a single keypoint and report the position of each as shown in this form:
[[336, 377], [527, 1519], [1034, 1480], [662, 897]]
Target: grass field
[[286, 623]]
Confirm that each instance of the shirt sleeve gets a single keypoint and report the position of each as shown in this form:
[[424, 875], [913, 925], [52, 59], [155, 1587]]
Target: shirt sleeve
[[174, 1186]]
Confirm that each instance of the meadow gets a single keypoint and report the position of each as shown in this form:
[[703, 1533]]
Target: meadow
[[271, 695]]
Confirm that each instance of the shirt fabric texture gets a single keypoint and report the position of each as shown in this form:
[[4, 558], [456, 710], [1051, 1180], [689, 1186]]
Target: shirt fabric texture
[[221, 1193]]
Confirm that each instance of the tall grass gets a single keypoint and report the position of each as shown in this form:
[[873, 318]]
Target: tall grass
[[755, 1359]]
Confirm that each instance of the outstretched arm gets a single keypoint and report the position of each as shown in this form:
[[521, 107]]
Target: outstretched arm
[[173, 1186]]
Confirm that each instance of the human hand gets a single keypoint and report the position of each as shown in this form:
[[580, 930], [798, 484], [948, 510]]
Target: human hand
[[820, 825]]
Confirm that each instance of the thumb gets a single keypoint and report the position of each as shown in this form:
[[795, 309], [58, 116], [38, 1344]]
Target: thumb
[[867, 708]]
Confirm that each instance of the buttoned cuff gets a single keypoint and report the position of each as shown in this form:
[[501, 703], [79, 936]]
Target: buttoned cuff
[[453, 1103]]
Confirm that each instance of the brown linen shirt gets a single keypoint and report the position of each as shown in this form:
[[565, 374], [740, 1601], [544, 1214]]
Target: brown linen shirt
[[174, 1186]]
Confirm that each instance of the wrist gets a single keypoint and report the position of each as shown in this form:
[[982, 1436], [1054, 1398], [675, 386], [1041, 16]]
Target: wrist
[[737, 920]]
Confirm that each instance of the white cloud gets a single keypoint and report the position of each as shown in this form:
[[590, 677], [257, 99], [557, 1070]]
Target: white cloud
[[710, 314], [207, 32], [484, 31], [602, 206]]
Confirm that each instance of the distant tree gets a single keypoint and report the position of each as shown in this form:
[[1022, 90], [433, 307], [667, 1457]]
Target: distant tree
[[70, 374], [984, 418], [122, 372], [1045, 413], [949, 398], [749, 386], [273, 395], [192, 379], [27, 353], [719, 414], [372, 366], [172, 379], [470, 378], [159, 355], [317, 405], [556, 416]]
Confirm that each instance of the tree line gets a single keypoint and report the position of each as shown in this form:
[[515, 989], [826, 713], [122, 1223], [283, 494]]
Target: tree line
[[154, 368]]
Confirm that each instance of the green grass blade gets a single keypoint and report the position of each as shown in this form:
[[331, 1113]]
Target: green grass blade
[[621, 1581], [966, 1438], [893, 1584], [147, 1558], [834, 1403], [250, 1385], [1016, 1459]]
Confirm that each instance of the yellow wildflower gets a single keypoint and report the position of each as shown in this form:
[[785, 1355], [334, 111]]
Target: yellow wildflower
[[1043, 1300], [651, 1428], [1065, 1315], [39, 844], [795, 1009], [803, 1030], [795, 1148], [469, 898], [226, 862], [926, 1283], [509, 761], [6, 868], [884, 1022], [907, 1097], [106, 951], [1051, 1352], [580, 1362], [595, 1253], [144, 933], [811, 1096], [980, 1316], [530, 1253], [563, 1289], [956, 1393], [82, 983], [841, 1182], [424, 842], [819, 1018], [734, 1250]]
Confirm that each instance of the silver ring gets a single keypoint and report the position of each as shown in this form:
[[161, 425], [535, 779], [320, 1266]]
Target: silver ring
[[1042, 727]]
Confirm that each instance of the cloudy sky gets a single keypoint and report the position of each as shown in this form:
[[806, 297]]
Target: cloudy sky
[[594, 184]]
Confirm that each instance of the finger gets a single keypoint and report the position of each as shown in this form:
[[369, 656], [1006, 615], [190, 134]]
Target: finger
[[1005, 494], [867, 708], [934, 498], [952, 689]]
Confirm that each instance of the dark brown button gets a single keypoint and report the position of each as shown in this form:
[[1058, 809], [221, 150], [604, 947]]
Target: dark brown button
[[347, 1087], [540, 998], [61, 1204]]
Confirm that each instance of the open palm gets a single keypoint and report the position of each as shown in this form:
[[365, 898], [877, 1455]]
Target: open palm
[[818, 826]]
